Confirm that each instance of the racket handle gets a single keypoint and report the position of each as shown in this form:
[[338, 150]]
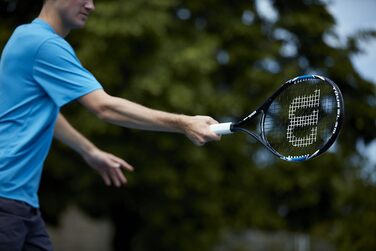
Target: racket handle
[[221, 128]]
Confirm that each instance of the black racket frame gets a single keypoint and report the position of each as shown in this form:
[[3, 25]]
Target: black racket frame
[[239, 126]]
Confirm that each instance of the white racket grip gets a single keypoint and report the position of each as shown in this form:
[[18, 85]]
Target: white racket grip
[[221, 128]]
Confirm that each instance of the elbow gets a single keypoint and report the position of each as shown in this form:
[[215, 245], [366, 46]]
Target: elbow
[[104, 111], [100, 103], [101, 112]]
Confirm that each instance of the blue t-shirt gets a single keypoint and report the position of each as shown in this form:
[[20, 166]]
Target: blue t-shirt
[[39, 73]]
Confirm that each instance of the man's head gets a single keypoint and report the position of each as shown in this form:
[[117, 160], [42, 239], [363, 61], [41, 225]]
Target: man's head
[[70, 14]]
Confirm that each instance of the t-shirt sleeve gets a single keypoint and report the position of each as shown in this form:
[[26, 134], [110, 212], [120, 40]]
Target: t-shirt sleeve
[[59, 72]]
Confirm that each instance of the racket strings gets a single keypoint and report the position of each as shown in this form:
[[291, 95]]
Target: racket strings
[[302, 118]]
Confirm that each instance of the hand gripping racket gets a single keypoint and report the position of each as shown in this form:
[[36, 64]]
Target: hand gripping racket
[[300, 121]]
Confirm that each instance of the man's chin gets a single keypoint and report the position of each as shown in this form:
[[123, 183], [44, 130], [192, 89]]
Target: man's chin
[[79, 25]]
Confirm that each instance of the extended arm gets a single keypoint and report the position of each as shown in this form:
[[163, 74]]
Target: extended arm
[[107, 165], [129, 114]]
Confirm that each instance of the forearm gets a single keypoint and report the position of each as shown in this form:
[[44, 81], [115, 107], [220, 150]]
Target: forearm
[[129, 114], [65, 133]]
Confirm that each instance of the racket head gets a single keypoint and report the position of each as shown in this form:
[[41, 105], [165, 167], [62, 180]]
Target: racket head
[[302, 119]]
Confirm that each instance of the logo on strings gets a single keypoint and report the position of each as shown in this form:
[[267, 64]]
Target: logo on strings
[[310, 120]]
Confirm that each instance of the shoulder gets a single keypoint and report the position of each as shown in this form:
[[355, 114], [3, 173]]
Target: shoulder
[[39, 35], [27, 39], [56, 49], [33, 32]]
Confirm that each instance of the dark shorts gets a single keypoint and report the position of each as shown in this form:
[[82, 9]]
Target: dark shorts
[[22, 228]]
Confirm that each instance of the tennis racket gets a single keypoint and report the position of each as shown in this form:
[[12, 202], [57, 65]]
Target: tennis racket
[[300, 121]]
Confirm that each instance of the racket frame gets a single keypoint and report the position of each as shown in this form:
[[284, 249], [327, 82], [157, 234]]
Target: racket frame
[[232, 127]]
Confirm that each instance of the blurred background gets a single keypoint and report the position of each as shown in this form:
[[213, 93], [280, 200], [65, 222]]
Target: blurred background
[[220, 58]]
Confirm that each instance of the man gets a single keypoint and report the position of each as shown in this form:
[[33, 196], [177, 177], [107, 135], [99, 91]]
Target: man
[[39, 73]]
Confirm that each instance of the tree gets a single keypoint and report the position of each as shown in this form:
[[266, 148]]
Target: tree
[[220, 58]]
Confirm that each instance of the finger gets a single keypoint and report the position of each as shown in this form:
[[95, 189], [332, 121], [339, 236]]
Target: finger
[[117, 175], [126, 166], [122, 163], [114, 177], [215, 137], [120, 176], [212, 121], [106, 179], [199, 142], [212, 136]]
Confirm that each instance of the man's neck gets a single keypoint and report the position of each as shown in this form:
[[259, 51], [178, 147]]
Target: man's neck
[[49, 15]]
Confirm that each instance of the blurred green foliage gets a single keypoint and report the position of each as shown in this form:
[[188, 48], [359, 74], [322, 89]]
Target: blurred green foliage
[[220, 58]]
